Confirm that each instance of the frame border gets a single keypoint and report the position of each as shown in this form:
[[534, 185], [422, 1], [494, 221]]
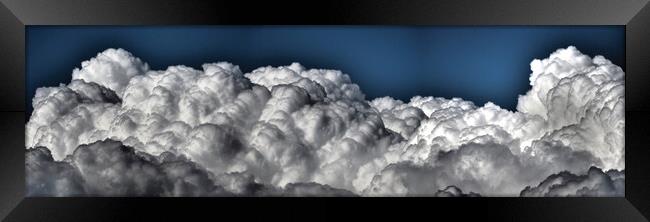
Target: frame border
[[16, 14]]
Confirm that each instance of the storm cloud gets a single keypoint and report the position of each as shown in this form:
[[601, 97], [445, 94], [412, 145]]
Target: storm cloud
[[121, 129]]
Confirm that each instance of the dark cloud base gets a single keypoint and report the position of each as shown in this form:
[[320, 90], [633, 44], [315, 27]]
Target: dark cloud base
[[108, 168]]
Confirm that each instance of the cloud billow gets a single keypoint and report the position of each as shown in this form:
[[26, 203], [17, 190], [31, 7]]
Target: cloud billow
[[121, 129]]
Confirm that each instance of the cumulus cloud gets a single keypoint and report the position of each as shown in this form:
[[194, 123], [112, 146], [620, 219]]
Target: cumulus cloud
[[452, 191], [594, 183], [46, 177], [107, 168], [119, 128], [112, 68]]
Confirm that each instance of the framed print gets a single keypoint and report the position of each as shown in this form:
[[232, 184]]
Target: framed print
[[124, 110]]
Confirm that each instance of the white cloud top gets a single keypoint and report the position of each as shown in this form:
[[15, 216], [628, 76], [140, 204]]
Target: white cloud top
[[120, 128]]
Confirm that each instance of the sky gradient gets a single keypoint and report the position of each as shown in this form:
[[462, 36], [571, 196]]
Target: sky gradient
[[476, 63]]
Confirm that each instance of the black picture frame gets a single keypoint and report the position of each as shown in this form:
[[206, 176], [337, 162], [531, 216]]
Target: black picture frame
[[16, 14]]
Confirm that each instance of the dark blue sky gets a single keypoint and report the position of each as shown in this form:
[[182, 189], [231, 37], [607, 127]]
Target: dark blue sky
[[476, 63]]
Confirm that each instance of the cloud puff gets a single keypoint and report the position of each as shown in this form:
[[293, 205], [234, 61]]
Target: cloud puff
[[594, 183], [582, 100], [107, 168], [119, 128], [452, 191], [112, 68], [46, 177]]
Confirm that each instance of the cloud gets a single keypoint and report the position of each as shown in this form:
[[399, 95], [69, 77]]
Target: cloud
[[314, 189], [112, 68], [46, 177], [582, 100], [291, 131], [452, 191], [594, 183], [107, 168]]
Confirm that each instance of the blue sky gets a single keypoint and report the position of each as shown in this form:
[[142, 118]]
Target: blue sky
[[476, 63]]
